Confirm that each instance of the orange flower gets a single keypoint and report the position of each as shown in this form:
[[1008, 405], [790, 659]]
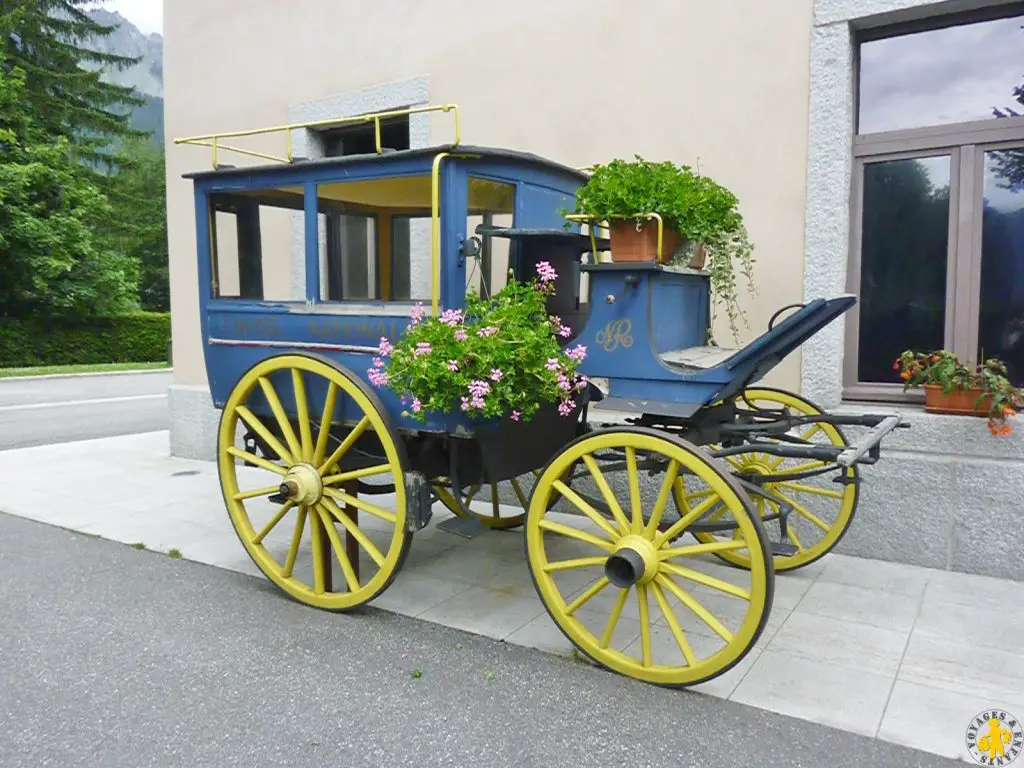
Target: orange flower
[[905, 375], [1008, 411], [896, 365]]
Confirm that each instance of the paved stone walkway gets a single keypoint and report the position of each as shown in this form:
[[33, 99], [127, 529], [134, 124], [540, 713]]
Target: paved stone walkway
[[904, 654]]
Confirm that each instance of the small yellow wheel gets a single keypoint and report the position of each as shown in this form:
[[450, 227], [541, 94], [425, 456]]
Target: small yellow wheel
[[293, 406], [822, 509], [616, 585]]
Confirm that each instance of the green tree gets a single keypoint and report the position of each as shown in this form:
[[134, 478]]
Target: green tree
[[52, 261], [49, 41], [138, 194]]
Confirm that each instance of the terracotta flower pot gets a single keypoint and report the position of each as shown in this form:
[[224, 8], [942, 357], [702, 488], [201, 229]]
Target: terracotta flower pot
[[628, 244], [958, 402]]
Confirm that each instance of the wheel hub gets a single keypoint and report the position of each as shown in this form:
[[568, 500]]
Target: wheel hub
[[633, 562], [302, 485]]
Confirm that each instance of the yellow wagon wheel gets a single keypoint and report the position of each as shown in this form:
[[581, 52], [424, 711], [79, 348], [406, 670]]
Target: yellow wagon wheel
[[291, 402], [614, 582], [496, 516], [822, 510]]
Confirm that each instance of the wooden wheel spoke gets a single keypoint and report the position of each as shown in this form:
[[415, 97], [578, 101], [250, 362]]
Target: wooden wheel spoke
[[680, 525], [363, 506], [635, 501], [595, 517], [645, 624], [339, 550], [355, 474], [580, 601], [270, 466], [352, 528], [607, 493], [667, 488], [265, 531], [810, 489], [269, 490], [282, 418], [260, 429], [806, 467], [302, 414], [673, 624], [691, 602], [519, 493], [326, 420], [812, 431], [293, 549], [804, 512], [699, 549], [708, 581], [347, 443], [576, 562], [574, 533], [613, 619], [320, 563]]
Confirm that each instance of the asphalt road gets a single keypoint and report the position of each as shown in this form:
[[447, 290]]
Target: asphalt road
[[111, 656], [57, 410]]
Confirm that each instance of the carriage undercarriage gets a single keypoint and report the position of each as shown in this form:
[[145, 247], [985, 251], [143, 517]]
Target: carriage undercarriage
[[632, 508]]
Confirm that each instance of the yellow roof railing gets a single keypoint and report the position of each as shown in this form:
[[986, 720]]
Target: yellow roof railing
[[214, 140]]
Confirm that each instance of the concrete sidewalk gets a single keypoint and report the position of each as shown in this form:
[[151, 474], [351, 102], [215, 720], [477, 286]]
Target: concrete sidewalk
[[905, 654]]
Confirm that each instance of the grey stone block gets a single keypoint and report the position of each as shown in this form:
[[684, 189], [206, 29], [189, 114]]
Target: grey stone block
[[193, 423], [988, 537], [905, 511]]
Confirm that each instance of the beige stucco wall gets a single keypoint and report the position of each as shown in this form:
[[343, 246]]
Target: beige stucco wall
[[724, 84]]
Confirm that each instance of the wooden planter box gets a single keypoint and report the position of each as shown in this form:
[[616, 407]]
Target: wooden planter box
[[628, 244], [958, 402]]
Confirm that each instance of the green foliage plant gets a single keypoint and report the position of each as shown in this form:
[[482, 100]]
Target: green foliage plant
[[941, 368], [500, 357], [138, 337], [696, 206]]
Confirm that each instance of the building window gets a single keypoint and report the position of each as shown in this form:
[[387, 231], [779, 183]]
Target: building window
[[937, 251]]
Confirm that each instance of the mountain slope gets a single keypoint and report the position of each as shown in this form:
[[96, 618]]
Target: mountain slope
[[147, 76]]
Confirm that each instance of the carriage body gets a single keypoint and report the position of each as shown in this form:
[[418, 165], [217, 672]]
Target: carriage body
[[444, 190], [355, 245]]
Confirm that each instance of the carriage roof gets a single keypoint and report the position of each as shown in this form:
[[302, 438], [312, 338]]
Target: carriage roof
[[395, 159]]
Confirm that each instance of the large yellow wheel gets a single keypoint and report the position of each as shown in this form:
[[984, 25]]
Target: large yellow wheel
[[307, 481], [821, 508], [614, 582], [494, 515]]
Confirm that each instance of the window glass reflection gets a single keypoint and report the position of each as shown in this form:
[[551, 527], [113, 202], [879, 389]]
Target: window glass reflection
[[904, 243], [941, 76], [1001, 321]]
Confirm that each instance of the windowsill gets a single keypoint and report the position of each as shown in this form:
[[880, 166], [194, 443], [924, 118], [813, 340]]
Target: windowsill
[[940, 434]]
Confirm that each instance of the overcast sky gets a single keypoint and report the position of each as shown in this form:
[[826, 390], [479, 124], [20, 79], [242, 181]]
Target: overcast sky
[[147, 15]]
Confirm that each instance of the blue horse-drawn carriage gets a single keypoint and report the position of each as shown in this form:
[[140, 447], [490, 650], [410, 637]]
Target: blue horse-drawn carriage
[[305, 265]]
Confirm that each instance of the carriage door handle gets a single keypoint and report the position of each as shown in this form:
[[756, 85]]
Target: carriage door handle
[[630, 282]]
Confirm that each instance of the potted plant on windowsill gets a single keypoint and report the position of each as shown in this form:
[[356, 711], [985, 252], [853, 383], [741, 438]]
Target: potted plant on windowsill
[[499, 362], [951, 387], [701, 226]]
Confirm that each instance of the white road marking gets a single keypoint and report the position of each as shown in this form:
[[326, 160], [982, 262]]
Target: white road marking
[[71, 403]]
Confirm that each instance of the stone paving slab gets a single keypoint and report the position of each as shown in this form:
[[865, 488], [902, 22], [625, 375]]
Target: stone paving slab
[[901, 653]]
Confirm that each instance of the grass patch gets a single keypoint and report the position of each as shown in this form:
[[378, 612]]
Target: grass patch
[[417, 673], [174, 553], [138, 545], [46, 370]]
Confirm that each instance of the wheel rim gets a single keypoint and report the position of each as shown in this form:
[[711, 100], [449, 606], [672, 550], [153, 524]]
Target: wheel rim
[[822, 509], [489, 509], [626, 568], [297, 506]]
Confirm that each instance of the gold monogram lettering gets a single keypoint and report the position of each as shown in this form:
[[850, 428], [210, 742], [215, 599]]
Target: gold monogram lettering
[[616, 334]]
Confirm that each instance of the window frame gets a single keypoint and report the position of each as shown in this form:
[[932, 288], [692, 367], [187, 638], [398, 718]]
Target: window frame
[[965, 143]]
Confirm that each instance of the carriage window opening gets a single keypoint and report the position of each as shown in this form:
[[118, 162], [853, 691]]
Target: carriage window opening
[[375, 239], [252, 246], [491, 204], [410, 275]]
